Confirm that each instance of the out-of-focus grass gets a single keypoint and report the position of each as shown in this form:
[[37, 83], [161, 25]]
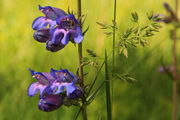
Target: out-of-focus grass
[[148, 99]]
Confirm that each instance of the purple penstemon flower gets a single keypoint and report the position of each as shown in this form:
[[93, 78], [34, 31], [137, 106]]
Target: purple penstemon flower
[[54, 87], [56, 28]]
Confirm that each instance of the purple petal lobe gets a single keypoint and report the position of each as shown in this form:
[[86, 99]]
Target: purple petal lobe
[[68, 21], [57, 88], [35, 88], [50, 103], [78, 37], [42, 22], [51, 12], [57, 36], [76, 94], [66, 37], [43, 78], [53, 73], [70, 88]]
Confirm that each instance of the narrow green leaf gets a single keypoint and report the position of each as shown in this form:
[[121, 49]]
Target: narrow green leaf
[[134, 16], [91, 53]]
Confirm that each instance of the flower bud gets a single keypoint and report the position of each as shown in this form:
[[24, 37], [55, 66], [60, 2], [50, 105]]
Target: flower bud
[[53, 47], [42, 35]]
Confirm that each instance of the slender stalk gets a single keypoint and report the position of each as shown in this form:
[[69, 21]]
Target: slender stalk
[[174, 72], [84, 113], [108, 92], [114, 40], [114, 31], [175, 78]]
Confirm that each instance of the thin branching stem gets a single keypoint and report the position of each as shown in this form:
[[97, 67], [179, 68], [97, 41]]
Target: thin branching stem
[[77, 115], [174, 72], [96, 77], [84, 113]]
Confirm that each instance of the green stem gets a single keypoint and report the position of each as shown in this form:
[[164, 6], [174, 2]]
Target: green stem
[[114, 40], [84, 113], [174, 72], [114, 30], [108, 92]]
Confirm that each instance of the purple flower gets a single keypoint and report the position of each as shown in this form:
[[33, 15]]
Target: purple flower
[[54, 87], [54, 83], [56, 28]]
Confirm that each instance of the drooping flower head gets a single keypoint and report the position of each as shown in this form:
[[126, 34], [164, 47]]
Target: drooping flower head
[[56, 28], [54, 87]]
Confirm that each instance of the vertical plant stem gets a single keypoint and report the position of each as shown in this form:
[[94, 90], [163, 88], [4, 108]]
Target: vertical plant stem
[[84, 113], [175, 78], [114, 40], [174, 72], [108, 92], [114, 31]]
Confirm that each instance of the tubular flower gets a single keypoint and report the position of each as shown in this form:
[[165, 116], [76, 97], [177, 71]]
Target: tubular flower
[[56, 28], [54, 87]]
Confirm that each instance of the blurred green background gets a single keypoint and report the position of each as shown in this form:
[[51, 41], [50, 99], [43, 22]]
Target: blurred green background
[[147, 99]]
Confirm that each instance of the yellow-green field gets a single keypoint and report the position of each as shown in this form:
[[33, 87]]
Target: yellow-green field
[[147, 99]]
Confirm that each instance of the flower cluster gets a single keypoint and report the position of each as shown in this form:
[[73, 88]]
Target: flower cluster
[[56, 28], [54, 87]]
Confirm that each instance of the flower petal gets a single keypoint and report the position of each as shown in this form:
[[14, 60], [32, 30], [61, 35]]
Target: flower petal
[[41, 77], [76, 94], [57, 36], [60, 36], [65, 19], [53, 73], [42, 22], [57, 88], [78, 37], [70, 88], [50, 103], [35, 88], [52, 12]]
